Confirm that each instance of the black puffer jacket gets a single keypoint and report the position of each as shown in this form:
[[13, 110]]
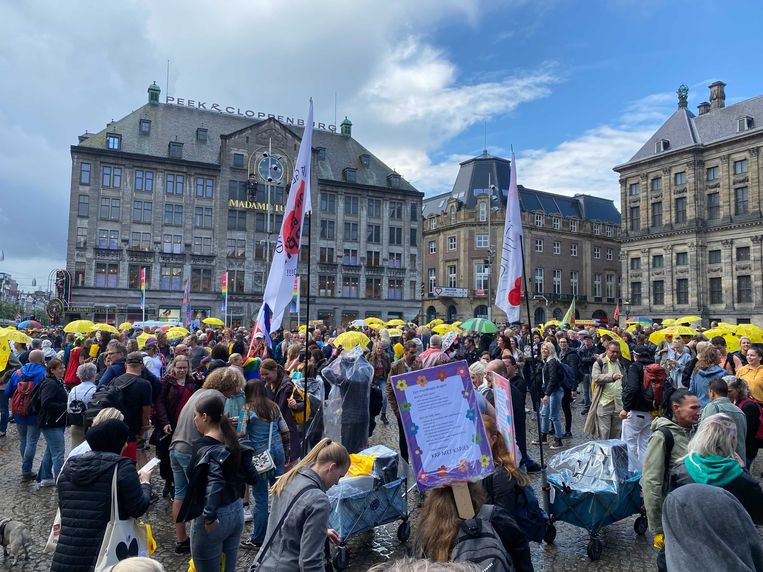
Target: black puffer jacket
[[84, 498], [633, 386], [552, 376], [53, 400]]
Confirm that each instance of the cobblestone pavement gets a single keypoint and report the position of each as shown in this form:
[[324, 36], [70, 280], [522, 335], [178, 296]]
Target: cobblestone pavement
[[623, 549]]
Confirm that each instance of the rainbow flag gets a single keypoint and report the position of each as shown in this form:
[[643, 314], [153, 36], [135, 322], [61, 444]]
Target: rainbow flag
[[224, 291], [143, 288], [294, 305]]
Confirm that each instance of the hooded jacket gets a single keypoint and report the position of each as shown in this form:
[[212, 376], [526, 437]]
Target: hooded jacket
[[53, 401], [33, 371], [655, 479], [701, 379], [84, 498]]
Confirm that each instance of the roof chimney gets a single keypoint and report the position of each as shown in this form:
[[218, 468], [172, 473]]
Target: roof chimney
[[703, 108], [346, 127], [717, 95]]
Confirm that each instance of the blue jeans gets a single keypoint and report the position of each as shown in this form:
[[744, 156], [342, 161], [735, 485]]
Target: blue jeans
[[28, 437], [53, 459], [549, 413], [383, 413], [4, 413], [181, 468], [207, 548], [259, 508]]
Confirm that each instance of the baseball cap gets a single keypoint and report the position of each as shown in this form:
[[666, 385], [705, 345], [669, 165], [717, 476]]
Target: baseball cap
[[134, 358]]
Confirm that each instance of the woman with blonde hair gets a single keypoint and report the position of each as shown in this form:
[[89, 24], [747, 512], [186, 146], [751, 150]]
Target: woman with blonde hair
[[553, 392], [293, 362], [478, 371], [298, 523]]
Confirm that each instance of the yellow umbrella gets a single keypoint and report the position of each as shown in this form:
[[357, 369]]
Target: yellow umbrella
[[302, 329], [375, 326], [180, 329], [456, 324], [657, 337], [625, 351], [687, 320], [373, 320], [395, 333], [175, 334], [143, 338], [213, 321], [732, 343], [442, 329], [105, 328], [631, 328], [749, 330], [681, 331], [79, 327], [435, 322], [552, 323], [14, 336], [668, 321], [730, 327], [349, 340], [755, 337], [396, 322], [125, 325], [719, 331]]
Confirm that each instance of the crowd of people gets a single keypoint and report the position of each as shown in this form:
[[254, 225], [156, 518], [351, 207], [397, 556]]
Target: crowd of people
[[213, 402]]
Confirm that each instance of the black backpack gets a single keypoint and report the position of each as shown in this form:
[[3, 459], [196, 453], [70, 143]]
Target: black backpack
[[111, 395], [478, 542], [75, 411]]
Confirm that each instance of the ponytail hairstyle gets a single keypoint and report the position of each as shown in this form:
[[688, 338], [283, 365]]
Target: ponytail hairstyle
[[212, 406], [326, 451], [272, 365], [501, 454]]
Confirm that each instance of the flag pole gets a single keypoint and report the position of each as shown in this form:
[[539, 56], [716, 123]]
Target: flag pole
[[308, 335]]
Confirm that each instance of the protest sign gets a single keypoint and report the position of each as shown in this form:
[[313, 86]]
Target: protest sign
[[443, 426], [504, 411]]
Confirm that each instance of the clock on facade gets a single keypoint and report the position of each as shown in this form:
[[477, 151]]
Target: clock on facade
[[270, 169]]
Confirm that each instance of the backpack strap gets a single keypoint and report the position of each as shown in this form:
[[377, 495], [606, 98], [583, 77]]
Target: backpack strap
[[670, 442]]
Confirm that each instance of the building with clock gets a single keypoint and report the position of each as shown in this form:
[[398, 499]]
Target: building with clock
[[190, 193]]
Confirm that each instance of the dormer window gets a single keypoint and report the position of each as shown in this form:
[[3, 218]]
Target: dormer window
[[744, 123], [393, 180], [202, 135], [321, 153], [661, 145], [365, 160], [176, 150], [113, 141], [145, 126], [350, 175]]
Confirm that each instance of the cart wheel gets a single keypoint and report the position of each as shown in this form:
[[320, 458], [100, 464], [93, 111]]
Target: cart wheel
[[640, 526], [341, 558], [550, 534], [595, 547], [404, 531]]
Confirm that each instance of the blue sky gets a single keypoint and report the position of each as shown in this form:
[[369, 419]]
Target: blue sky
[[576, 87]]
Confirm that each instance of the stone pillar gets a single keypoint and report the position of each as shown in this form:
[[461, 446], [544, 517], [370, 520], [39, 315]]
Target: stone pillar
[[697, 277], [753, 184], [669, 278], [667, 196], [729, 279], [756, 258], [644, 196], [646, 280], [725, 189]]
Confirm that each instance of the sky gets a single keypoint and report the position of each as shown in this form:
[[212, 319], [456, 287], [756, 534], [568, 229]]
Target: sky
[[575, 87]]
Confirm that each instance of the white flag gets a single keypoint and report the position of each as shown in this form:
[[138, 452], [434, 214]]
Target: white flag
[[278, 290], [508, 295]]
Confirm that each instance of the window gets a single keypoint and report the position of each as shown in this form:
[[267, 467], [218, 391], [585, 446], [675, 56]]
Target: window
[[538, 282], [144, 126], [202, 135], [658, 261], [680, 210], [743, 254], [351, 231], [740, 167], [481, 275], [144, 181], [84, 174], [350, 286], [656, 214], [482, 241], [679, 178], [374, 208], [174, 184], [374, 288], [326, 285], [432, 247], [609, 231], [414, 237], [661, 145], [106, 275], [744, 289], [109, 209], [573, 226], [79, 273], [556, 222], [236, 280], [634, 189], [350, 175], [142, 212], [238, 160], [716, 290], [557, 282], [432, 279], [713, 206], [610, 254], [744, 123], [236, 247], [452, 277], [237, 191], [326, 255], [236, 220], [658, 293], [321, 153], [741, 200], [173, 214], [350, 257], [201, 279], [83, 206], [373, 233], [328, 203], [713, 256], [171, 278], [596, 229], [483, 211], [395, 210], [113, 141], [175, 150], [557, 247], [82, 236], [574, 281], [573, 249], [712, 173], [634, 220], [432, 222], [635, 293], [538, 220], [636, 263], [596, 252], [451, 243], [452, 215], [538, 245], [656, 184], [172, 243], [682, 291], [111, 177], [396, 235], [597, 286], [327, 229], [395, 289], [415, 212], [610, 286], [133, 276], [351, 206], [108, 239], [202, 217], [373, 258], [395, 260], [682, 258], [204, 187]]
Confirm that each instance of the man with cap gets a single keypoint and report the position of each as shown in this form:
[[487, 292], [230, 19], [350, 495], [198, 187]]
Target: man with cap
[[136, 401], [636, 413], [588, 356]]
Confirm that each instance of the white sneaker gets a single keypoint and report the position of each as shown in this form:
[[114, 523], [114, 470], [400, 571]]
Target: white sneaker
[[46, 483]]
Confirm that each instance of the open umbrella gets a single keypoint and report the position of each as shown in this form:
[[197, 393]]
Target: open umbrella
[[125, 325], [448, 339], [302, 329], [396, 322], [180, 329], [552, 323], [105, 328], [213, 321], [175, 334], [625, 351], [395, 332], [681, 331], [79, 327], [14, 336], [639, 320], [375, 326], [143, 338], [668, 321], [456, 324], [688, 319], [442, 329], [435, 322], [29, 325], [359, 324], [374, 320], [349, 340], [480, 325], [730, 327], [749, 330]]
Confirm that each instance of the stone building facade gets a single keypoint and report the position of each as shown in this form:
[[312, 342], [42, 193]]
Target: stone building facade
[[189, 194], [571, 248], [692, 223]]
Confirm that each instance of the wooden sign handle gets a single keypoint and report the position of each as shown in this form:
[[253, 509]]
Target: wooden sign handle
[[463, 500]]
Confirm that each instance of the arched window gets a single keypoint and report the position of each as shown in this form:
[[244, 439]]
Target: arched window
[[480, 311], [431, 313], [451, 314], [452, 214], [599, 315], [540, 316], [557, 314]]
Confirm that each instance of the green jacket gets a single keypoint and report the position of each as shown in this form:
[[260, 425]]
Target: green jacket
[[655, 477]]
